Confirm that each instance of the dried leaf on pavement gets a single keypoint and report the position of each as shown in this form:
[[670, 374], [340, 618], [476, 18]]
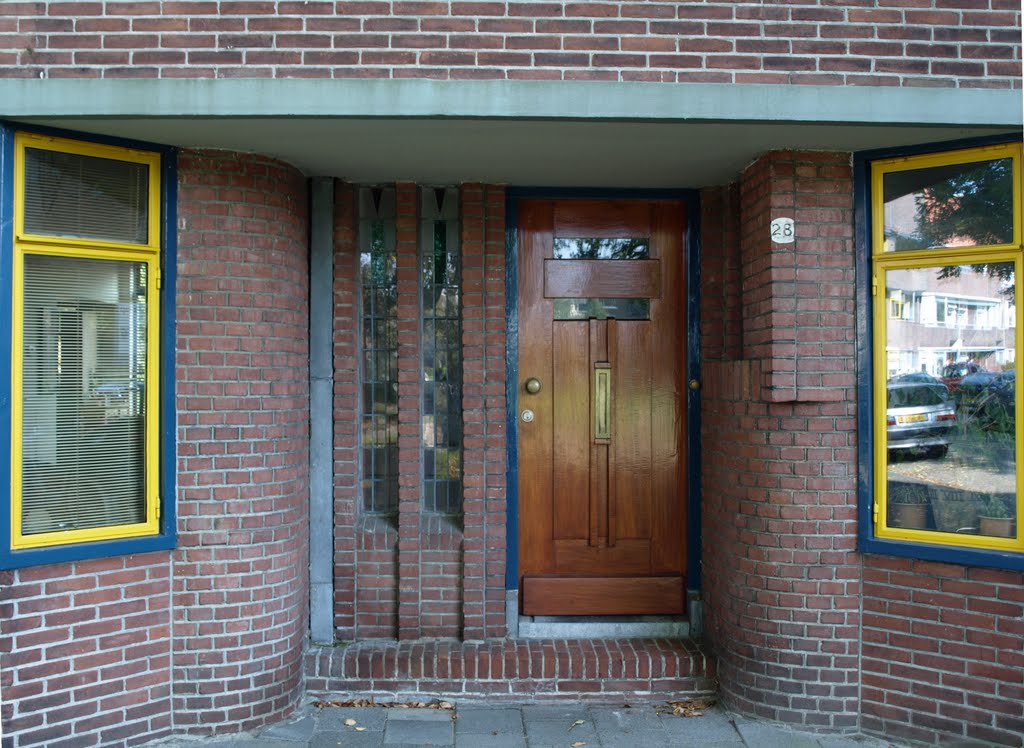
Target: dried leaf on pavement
[[687, 707]]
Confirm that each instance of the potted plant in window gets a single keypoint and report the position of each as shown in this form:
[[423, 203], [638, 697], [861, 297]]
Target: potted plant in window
[[996, 519], [909, 505]]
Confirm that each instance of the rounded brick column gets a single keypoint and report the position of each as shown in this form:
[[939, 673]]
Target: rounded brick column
[[240, 574]]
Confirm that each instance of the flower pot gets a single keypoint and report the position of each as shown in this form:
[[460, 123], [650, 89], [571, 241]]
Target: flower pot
[[910, 515], [1000, 527], [955, 510]]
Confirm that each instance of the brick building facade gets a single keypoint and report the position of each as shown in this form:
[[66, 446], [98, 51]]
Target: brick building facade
[[288, 131]]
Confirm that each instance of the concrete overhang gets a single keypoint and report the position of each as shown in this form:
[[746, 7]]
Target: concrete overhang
[[543, 133]]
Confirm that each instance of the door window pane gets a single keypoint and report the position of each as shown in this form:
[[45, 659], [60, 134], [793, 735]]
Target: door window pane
[[601, 249]]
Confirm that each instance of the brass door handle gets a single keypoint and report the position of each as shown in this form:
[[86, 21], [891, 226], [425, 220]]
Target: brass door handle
[[532, 385]]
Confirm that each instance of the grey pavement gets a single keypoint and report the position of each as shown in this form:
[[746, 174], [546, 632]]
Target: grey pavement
[[476, 724]]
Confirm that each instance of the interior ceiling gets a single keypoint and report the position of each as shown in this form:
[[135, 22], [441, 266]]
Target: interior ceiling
[[556, 153]]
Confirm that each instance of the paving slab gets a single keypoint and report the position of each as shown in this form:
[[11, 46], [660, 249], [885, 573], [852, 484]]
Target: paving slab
[[764, 735], [486, 720], [372, 718], [403, 729], [295, 730]]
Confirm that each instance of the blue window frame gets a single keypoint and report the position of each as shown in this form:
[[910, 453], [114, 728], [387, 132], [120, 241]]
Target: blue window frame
[[940, 247], [87, 411]]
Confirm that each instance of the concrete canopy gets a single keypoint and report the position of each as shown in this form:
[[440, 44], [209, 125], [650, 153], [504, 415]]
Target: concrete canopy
[[514, 132]]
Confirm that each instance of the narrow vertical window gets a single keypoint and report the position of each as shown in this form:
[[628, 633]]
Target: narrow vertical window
[[379, 285], [441, 285]]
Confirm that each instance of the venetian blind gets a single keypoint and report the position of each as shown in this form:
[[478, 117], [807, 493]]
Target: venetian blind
[[83, 424], [88, 197]]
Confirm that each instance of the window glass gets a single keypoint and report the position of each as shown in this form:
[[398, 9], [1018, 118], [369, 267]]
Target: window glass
[[441, 433], [86, 197], [950, 438], [568, 309], [951, 205], [83, 393], [601, 249], [378, 264]]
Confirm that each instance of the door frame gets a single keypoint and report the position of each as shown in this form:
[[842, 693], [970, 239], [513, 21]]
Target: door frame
[[691, 267]]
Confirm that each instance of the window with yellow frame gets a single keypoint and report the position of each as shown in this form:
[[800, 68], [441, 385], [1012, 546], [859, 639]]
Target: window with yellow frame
[[946, 233], [85, 319]]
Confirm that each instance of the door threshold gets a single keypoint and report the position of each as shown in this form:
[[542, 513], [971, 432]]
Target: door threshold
[[603, 627]]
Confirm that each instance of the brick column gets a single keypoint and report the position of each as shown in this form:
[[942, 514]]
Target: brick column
[[483, 244], [782, 578], [410, 367], [240, 574]]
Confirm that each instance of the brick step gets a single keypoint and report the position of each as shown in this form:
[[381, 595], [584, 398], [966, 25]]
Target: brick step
[[514, 670]]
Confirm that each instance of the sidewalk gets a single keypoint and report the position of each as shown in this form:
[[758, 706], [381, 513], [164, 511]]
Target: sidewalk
[[475, 724]]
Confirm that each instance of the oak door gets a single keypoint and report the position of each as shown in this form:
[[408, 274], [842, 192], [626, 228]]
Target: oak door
[[601, 407]]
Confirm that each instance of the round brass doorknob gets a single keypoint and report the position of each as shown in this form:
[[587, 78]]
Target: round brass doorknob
[[532, 385]]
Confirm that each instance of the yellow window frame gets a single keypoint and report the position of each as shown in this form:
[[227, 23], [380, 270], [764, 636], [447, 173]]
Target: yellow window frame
[[885, 261], [148, 253]]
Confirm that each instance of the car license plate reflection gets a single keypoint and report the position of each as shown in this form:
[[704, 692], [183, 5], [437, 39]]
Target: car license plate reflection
[[915, 418]]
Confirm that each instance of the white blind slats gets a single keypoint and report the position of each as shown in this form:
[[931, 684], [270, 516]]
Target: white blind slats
[[87, 197], [83, 422]]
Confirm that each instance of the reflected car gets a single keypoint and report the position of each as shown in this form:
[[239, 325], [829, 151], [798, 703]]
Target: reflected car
[[953, 374], [995, 410], [972, 387], [920, 415]]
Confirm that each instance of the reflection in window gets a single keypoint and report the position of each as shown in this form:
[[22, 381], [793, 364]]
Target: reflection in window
[[951, 401], [379, 282], [569, 309], [601, 249], [954, 205], [440, 283]]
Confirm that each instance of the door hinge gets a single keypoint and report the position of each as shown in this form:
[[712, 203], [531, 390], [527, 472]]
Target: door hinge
[[159, 280], [874, 285], [874, 512]]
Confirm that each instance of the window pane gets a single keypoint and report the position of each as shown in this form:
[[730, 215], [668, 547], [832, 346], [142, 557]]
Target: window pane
[[959, 205], [83, 404], [440, 279], [70, 195], [378, 278], [951, 399], [565, 309], [601, 249]]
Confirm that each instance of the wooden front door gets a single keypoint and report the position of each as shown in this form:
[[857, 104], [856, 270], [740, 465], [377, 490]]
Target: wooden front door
[[602, 407]]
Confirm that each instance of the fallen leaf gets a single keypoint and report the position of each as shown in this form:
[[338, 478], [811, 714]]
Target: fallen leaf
[[578, 743], [577, 723], [360, 729], [349, 722]]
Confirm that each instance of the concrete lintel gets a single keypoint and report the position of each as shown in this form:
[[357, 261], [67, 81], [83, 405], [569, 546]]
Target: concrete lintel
[[529, 100]]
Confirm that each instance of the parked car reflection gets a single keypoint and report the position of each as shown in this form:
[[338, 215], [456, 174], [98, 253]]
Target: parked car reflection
[[994, 410], [920, 415]]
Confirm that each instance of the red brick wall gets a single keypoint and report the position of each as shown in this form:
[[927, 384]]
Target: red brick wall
[[428, 576], [483, 350], [964, 43], [86, 652], [240, 575], [781, 578], [943, 652]]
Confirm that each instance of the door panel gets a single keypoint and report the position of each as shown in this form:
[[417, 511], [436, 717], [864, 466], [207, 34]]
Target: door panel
[[601, 473]]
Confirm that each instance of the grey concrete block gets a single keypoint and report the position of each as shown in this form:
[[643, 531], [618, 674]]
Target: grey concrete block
[[484, 720], [407, 731], [372, 718], [295, 730], [769, 736]]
